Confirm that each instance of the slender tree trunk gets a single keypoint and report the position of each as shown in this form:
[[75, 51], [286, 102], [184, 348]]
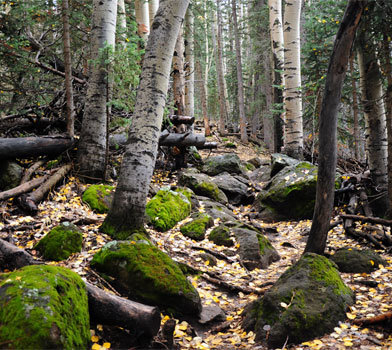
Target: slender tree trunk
[[92, 147], [203, 97], [179, 76], [328, 125], [240, 81], [207, 51], [68, 69], [276, 30], [357, 137], [189, 64], [129, 202], [122, 22], [152, 10], [142, 18], [374, 112], [293, 131]]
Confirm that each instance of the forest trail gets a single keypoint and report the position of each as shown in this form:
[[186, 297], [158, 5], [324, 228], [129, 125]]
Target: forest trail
[[64, 204]]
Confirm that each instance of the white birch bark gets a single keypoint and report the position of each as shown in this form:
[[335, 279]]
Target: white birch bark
[[152, 10], [92, 147], [122, 21], [128, 208], [293, 131], [189, 64], [142, 18]]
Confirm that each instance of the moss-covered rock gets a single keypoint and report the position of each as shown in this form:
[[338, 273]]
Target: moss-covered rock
[[196, 228], [10, 174], [216, 165], [280, 161], [143, 272], [357, 261], [220, 235], [307, 301], [290, 195], [60, 242], [43, 307], [217, 210], [168, 207], [99, 197]]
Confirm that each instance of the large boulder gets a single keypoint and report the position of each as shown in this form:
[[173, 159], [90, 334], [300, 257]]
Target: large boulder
[[216, 210], [308, 300], [60, 242], [168, 207], [280, 161], [353, 260], [230, 163], [143, 272], [220, 235], [196, 229], [43, 307], [235, 188], [290, 195], [261, 174], [99, 197], [202, 185], [10, 174]]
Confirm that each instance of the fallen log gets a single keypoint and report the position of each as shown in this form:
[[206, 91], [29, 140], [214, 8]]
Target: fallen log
[[373, 220], [182, 119], [104, 308], [23, 147], [29, 202], [23, 188], [208, 145], [182, 140]]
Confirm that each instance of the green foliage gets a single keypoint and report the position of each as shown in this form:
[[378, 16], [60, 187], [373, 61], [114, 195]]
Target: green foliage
[[43, 307]]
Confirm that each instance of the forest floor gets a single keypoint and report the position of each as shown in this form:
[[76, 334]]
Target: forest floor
[[64, 204]]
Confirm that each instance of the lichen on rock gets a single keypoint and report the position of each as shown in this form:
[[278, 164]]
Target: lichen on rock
[[43, 307]]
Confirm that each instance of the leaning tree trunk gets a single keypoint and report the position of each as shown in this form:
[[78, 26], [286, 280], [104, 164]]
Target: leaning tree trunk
[[293, 130], [374, 112], [129, 202], [276, 30], [240, 81], [189, 65], [152, 10], [91, 157], [328, 125]]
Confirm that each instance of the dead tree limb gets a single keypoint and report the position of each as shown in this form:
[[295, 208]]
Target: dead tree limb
[[23, 188], [231, 287], [387, 316], [12, 257], [31, 170], [367, 219]]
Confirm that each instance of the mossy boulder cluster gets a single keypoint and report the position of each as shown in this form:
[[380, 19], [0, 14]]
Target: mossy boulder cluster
[[143, 272], [197, 228], [289, 195], [357, 261], [168, 207], [308, 300], [43, 307], [60, 242], [99, 197]]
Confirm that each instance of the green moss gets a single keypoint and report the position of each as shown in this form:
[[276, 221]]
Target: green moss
[[230, 145], [43, 307], [146, 272], [60, 242], [264, 243], [196, 229], [221, 236], [168, 207], [208, 189], [113, 231], [249, 166], [98, 197]]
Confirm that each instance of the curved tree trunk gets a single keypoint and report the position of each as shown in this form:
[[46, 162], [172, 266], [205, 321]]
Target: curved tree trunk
[[293, 130], [328, 125], [129, 202], [91, 157]]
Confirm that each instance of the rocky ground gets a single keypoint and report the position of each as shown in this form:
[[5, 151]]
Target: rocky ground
[[64, 204]]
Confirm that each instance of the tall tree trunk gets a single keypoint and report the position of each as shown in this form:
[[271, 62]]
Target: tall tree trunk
[[357, 137], [92, 147], [122, 22], [129, 202], [293, 131], [68, 69], [388, 105], [189, 64], [328, 125], [276, 30], [203, 97], [374, 112], [152, 10], [142, 18], [178, 75], [240, 81]]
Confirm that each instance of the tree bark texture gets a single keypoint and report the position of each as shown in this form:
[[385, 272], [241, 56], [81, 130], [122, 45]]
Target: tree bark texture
[[23, 147], [203, 97], [68, 69], [179, 75], [91, 157], [357, 137], [128, 208], [122, 22], [328, 126], [293, 130], [189, 64], [240, 81], [142, 18], [152, 10], [374, 112]]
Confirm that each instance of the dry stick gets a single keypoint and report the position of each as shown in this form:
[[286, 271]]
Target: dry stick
[[23, 188], [231, 287], [214, 253], [31, 170], [373, 320]]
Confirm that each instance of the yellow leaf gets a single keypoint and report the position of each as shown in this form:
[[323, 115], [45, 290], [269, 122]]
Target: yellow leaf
[[207, 262], [18, 278], [94, 338], [215, 299], [183, 326], [100, 327], [372, 262], [96, 346], [350, 316], [348, 343], [229, 318], [106, 345]]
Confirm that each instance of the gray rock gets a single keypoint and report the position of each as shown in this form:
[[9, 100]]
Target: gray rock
[[10, 174], [211, 313], [225, 163], [216, 210], [236, 189], [280, 161], [261, 174]]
